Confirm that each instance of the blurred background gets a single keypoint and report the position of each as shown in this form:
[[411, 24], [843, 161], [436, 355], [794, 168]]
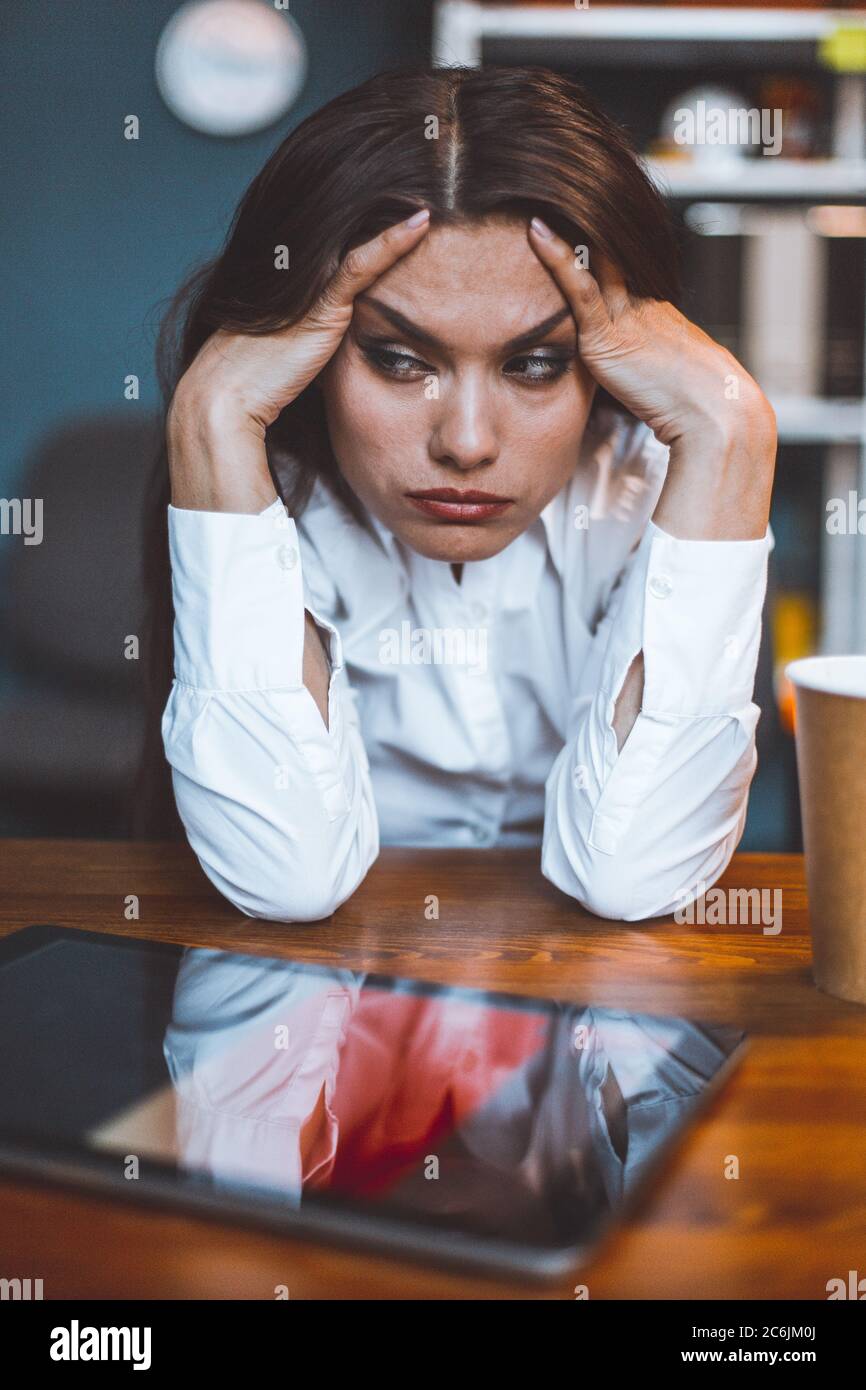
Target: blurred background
[[130, 132]]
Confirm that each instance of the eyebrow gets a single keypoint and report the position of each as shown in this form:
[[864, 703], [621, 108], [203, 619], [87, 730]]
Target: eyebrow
[[411, 330]]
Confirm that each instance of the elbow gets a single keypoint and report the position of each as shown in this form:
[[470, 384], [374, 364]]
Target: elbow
[[289, 909], [619, 905], [609, 895], [609, 887], [295, 883], [278, 871], [647, 869], [290, 899]]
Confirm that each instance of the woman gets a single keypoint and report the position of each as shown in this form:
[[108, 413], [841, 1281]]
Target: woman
[[468, 525]]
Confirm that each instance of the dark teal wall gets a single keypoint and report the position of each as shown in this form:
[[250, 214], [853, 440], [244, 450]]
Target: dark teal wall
[[98, 230]]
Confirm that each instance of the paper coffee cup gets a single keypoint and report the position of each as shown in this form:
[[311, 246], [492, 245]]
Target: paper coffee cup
[[830, 738]]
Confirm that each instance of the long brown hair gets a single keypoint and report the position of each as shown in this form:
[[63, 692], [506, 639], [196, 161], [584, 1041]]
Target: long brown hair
[[467, 143]]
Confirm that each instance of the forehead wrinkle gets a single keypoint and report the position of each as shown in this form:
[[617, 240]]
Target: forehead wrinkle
[[475, 271], [515, 335]]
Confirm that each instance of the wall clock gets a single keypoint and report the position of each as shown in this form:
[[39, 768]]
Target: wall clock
[[230, 67]]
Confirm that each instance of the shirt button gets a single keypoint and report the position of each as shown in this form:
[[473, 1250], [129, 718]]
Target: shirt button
[[287, 557], [480, 834], [660, 585], [479, 611]]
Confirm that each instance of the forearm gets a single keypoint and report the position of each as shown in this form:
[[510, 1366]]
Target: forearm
[[218, 463], [717, 490], [278, 807], [281, 816], [638, 840], [719, 480], [648, 796], [217, 459], [629, 701]]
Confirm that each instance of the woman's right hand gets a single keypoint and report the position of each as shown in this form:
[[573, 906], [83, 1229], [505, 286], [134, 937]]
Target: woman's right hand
[[238, 383]]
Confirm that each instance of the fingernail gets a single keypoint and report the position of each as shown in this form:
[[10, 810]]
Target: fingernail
[[418, 217], [541, 227]]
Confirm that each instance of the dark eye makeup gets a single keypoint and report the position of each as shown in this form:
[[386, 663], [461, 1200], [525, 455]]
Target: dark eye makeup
[[393, 361]]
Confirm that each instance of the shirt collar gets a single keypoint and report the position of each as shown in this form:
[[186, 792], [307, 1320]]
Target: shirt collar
[[554, 519]]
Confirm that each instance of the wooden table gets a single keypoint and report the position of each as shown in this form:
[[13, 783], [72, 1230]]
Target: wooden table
[[793, 1113]]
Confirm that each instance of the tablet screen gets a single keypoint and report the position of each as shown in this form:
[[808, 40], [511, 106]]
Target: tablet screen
[[467, 1114]]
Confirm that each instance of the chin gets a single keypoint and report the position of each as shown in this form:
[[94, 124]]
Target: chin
[[457, 543]]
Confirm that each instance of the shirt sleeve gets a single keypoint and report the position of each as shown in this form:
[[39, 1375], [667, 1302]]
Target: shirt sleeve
[[278, 808], [242, 1100], [644, 830]]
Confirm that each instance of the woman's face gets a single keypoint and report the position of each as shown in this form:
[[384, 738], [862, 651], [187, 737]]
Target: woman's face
[[459, 371]]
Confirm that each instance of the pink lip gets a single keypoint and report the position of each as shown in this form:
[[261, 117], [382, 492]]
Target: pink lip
[[451, 504]]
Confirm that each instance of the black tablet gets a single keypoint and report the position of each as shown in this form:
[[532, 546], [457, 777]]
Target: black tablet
[[495, 1133]]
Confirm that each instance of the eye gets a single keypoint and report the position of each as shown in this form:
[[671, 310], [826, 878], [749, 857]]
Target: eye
[[395, 362], [542, 369], [533, 370]]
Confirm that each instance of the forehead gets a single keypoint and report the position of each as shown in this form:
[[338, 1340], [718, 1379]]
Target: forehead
[[482, 276]]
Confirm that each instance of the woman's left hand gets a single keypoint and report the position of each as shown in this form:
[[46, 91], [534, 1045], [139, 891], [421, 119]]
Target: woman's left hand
[[694, 395]]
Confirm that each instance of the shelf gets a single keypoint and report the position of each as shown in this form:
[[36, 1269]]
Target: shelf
[[661, 35], [815, 420], [460, 26], [759, 176]]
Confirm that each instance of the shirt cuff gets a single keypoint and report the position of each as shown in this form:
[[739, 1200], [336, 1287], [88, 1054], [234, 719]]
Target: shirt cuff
[[694, 608], [238, 599]]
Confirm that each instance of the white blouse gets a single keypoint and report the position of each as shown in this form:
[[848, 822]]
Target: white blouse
[[473, 713]]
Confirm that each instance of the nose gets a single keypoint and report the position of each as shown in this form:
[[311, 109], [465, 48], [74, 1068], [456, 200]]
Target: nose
[[463, 435]]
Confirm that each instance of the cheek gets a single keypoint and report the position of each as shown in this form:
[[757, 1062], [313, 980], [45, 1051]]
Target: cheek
[[552, 432], [578, 404], [364, 417], [571, 411]]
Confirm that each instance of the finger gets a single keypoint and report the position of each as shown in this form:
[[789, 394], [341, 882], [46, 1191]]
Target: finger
[[364, 264], [610, 280], [579, 286]]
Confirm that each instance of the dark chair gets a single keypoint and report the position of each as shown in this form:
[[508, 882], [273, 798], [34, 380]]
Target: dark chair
[[72, 703]]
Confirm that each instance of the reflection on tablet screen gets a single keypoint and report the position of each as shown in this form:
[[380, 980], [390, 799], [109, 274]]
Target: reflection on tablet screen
[[525, 1121]]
